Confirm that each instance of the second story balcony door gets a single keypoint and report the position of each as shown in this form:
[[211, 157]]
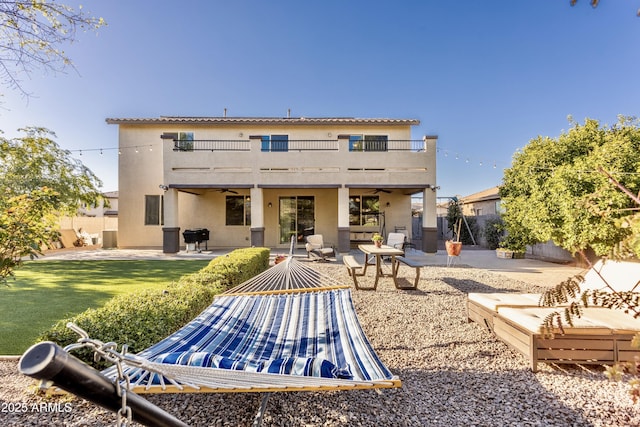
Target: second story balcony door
[[297, 218]]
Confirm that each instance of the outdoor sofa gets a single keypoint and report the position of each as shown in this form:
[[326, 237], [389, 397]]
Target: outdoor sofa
[[599, 336]]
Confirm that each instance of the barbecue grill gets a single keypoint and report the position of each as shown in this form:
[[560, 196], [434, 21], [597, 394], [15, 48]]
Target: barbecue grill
[[195, 237]]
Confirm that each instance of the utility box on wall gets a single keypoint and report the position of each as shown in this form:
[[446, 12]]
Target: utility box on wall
[[110, 239]]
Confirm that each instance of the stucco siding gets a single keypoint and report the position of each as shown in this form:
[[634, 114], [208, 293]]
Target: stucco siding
[[318, 163]]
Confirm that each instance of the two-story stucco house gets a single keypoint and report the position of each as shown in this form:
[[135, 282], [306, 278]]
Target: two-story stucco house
[[259, 181]]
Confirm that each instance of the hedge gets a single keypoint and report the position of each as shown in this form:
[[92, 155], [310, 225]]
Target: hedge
[[142, 318]]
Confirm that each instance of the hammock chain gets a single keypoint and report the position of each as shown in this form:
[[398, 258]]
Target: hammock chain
[[109, 352]]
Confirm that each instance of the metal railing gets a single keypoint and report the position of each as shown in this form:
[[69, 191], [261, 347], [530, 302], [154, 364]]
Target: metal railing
[[297, 145], [212, 145]]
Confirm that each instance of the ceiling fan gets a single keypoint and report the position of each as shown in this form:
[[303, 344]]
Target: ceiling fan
[[378, 190], [226, 190]]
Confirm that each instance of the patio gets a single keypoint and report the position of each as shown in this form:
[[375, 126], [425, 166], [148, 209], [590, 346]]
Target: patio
[[453, 372]]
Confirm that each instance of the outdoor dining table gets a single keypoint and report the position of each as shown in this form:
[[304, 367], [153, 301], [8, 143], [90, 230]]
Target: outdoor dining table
[[378, 253]]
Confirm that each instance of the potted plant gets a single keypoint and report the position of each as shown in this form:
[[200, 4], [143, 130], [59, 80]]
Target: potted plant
[[454, 247], [510, 248], [377, 239]]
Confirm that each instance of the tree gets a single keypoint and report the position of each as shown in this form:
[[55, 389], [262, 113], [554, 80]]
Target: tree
[[553, 190], [461, 226], [38, 182], [32, 34], [581, 191], [569, 294]]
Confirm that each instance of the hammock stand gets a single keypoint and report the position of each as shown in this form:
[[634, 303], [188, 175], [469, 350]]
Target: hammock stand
[[289, 328]]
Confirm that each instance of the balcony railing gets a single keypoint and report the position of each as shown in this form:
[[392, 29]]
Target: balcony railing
[[212, 145], [298, 145]]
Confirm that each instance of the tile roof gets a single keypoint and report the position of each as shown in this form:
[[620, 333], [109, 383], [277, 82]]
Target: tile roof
[[265, 120]]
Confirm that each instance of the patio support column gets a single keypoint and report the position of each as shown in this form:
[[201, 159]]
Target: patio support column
[[171, 230], [429, 222], [343, 220], [257, 217]]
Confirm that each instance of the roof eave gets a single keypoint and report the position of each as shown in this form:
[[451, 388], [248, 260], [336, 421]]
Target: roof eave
[[266, 121]]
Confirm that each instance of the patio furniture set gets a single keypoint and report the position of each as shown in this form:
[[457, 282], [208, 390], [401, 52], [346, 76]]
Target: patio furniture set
[[374, 256], [600, 336]]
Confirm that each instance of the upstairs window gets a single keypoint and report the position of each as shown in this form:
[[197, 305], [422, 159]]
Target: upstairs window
[[184, 141], [355, 143], [368, 142], [364, 211], [238, 210], [275, 143]]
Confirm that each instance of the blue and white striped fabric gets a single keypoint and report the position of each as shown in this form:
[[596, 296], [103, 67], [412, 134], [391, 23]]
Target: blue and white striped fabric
[[314, 334]]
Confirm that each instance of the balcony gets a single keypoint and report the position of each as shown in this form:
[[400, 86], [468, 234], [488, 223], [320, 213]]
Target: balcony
[[300, 162], [298, 145]]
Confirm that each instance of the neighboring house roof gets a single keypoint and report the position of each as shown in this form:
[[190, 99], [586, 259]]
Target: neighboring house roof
[[264, 120], [492, 193], [110, 194]]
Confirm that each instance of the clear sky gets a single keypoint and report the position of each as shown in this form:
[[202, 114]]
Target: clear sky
[[485, 76]]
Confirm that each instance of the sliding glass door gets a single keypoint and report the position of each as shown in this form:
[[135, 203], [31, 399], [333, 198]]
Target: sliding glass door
[[297, 218]]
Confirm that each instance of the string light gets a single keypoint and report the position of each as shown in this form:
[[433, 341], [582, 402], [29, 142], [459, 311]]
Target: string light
[[138, 148], [120, 150], [469, 159], [494, 164]]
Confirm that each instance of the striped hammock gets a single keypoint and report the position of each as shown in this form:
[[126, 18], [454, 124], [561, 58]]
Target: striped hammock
[[289, 328]]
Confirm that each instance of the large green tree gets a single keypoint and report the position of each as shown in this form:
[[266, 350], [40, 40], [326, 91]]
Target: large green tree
[[38, 181], [555, 191]]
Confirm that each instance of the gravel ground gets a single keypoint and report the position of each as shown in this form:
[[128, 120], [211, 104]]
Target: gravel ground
[[454, 373]]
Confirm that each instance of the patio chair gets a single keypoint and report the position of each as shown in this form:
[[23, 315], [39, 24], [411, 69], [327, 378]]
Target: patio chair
[[315, 246], [407, 240], [396, 240]]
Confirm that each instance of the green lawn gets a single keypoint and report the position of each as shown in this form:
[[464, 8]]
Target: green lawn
[[47, 291]]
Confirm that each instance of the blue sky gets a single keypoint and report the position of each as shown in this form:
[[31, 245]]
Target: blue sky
[[485, 76]]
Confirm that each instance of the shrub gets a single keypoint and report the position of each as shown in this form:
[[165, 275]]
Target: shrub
[[144, 317], [493, 231]]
